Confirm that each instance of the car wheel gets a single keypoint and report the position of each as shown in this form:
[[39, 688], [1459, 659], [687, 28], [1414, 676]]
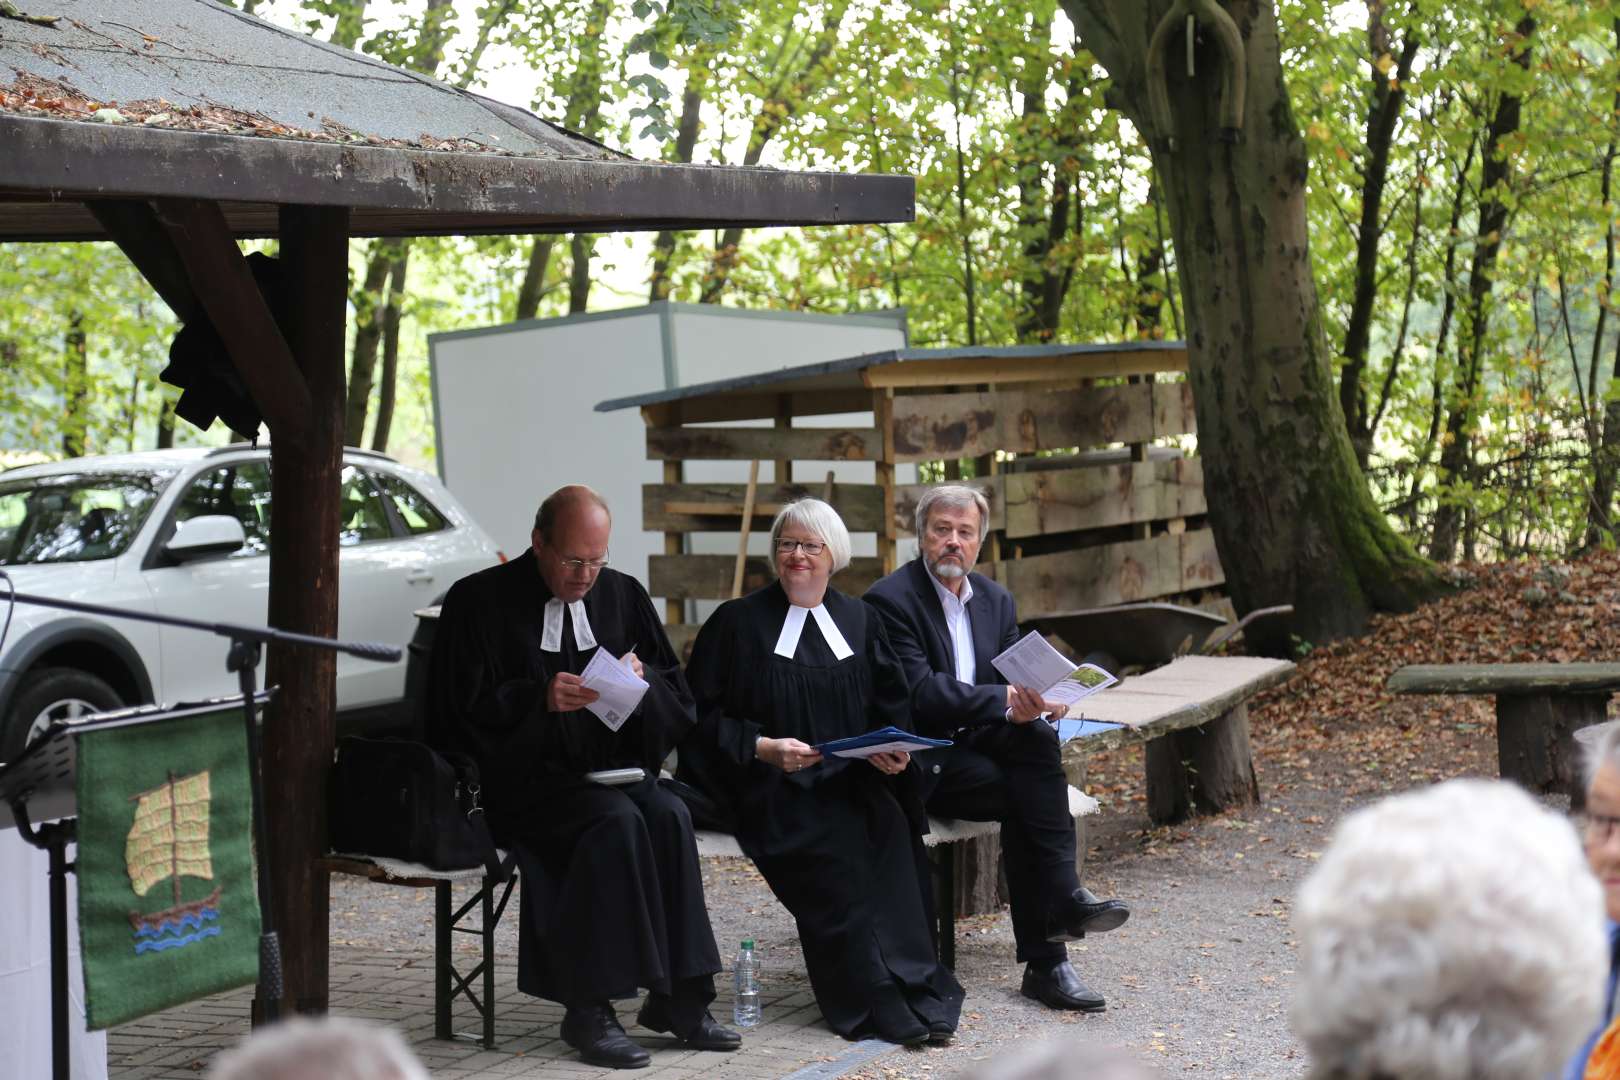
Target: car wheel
[[52, 694]]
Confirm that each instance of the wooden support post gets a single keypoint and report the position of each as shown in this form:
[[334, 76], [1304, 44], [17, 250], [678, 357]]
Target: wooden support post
[[883, 420], [1535, 740], [1074, 771], [304, 478], [1140, 530], [745, 528], [1201, 770], [135, 228], [784, 419], [674, 610]]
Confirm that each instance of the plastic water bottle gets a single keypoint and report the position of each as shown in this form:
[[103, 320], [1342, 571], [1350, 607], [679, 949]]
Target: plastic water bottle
[[746, 972]]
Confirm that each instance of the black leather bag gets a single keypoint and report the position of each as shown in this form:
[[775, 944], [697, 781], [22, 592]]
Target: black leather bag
[[404, 800]]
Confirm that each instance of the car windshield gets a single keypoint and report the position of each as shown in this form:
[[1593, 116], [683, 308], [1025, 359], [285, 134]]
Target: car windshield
[[74, 517]]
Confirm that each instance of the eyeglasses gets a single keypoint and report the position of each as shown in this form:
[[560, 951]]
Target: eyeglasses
[[593, 566], [1598, 828], [811, 548]]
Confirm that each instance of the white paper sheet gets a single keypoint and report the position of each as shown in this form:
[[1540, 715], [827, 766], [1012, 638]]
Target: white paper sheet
[[1032, 662], [619, 689]]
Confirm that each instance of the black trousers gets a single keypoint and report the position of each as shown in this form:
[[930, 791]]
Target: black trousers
[[613, 899], [1012, 774]]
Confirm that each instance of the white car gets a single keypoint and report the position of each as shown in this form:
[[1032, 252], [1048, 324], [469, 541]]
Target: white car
[[186, 532]]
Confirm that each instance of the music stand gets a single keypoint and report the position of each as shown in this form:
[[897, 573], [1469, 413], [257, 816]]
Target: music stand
[[39, 786]]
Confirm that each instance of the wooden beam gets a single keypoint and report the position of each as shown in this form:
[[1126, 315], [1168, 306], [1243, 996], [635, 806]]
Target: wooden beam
[[1004, 370], [134, 226], [883, 416], [674, 610], [933, 426], [1095, 496], [708, 577], [1110, 574], [304, 478], [717, 507], [745, 528], [783, 473], [224, 286], [748, 444], [729, 407]]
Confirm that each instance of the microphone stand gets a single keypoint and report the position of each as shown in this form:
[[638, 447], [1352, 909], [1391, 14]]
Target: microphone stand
[[243, 659]]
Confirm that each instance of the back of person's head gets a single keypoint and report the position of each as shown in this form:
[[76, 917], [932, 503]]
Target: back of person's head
[[330, 1049], [1452, 933], [1061, 1059]]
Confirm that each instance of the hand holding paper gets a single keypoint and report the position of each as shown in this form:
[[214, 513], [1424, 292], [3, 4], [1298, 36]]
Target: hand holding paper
[[618, 689], [1032, 662]]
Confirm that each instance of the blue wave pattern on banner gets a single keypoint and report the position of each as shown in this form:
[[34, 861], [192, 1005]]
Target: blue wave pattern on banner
[[190, 919], [175, 943]]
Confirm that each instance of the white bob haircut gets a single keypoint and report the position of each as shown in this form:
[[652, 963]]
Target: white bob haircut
[[1452, 933], [954, 497], [332, 1049], [1601, 748], [818, 519]]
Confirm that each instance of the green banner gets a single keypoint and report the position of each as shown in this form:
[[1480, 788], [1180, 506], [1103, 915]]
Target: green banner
[[167, 907]]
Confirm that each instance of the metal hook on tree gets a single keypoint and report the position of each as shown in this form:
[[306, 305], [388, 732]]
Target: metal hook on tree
[[1237, 75]]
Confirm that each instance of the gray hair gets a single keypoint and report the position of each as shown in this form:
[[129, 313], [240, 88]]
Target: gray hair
[[819, 519], [1599, 746], [334, 1048], [1061, 1059], [953, 496], [1450, 933]]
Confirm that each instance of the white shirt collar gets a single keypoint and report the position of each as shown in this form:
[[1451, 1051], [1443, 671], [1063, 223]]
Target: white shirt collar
[[551, 636], [948, 598], [787, 642]]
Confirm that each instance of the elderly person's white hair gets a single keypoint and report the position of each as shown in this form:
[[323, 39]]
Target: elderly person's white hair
[[1599, 746], [1453, 933], [818, 519], [956, 497], [331, 1049], [1061, 1059]]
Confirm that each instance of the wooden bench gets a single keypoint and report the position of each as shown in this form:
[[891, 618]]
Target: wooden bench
[[1193, 715], [1539, 707], [493, 894]]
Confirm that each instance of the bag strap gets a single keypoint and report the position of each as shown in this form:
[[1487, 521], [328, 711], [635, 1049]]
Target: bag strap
[[466, 770]]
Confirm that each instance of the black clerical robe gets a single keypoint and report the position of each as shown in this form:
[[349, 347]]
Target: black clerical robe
[[837, 842], [612, 890]]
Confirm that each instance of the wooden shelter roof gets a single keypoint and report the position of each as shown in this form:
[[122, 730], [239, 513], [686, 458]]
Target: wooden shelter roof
[[845, 385], [223, 106]]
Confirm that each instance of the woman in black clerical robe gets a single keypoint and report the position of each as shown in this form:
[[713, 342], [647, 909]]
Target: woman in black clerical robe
[[775, 673]]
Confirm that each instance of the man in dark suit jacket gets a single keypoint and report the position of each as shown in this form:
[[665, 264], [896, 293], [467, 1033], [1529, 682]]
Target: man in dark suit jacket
[[946, 624]]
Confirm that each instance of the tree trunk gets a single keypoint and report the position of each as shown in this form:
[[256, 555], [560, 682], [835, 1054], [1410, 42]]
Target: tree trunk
[[165, 424], [386, 384], [1535, 740], [1202, 770], [1606, 454], [1384, 109], [1293, 519], [579, 275], [686, 134], [534, 278], [368, 305], [1495, 174], [75, 386]]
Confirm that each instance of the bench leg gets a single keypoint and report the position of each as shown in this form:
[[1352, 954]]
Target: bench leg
[[1202, 770], [441, 960], [1535, 740]]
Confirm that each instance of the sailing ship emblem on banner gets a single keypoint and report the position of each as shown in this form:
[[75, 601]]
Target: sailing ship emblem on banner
[[168, 911], [169, 841]]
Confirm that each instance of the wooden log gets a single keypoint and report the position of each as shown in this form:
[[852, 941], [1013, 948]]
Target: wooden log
[[980, 888], [1091, 497], [748, 444], [718, 507], [1110, 574], [1202, 770], [304, 475], [1535, 740], [972, 424], [1505, 678], [708, 577]]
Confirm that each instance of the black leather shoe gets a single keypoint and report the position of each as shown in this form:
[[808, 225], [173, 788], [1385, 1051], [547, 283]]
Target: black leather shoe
[[1060, 987], [709, 1035], [1073, 917], [940, 1033], [594, 1031]]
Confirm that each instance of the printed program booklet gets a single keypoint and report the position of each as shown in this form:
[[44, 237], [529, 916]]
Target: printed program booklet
[[1032, 662]]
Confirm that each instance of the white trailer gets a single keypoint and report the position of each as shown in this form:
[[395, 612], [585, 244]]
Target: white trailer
[[514, 405]]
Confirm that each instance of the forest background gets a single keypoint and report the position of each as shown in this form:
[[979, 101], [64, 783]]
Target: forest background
[[1460, 204]]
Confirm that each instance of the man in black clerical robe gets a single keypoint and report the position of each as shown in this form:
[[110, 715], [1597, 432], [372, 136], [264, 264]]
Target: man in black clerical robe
[[945, 625], [612, 891]]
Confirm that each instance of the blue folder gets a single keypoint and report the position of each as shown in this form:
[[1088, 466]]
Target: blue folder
[[1078, 728], [878, 737]]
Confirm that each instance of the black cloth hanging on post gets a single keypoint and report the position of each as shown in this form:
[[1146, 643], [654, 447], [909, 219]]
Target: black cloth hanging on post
[[199, 364]]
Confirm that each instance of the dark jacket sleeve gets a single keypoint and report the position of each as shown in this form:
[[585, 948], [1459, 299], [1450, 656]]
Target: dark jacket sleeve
[[714, 654], [940, 703]]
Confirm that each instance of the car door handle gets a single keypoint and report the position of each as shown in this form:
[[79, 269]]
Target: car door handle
[[420, 577]]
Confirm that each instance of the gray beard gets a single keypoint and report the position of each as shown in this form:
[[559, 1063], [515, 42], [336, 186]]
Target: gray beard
[[946, 571]]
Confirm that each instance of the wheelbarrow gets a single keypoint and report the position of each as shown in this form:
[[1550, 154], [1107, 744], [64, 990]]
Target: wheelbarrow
[[1127, 638]]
